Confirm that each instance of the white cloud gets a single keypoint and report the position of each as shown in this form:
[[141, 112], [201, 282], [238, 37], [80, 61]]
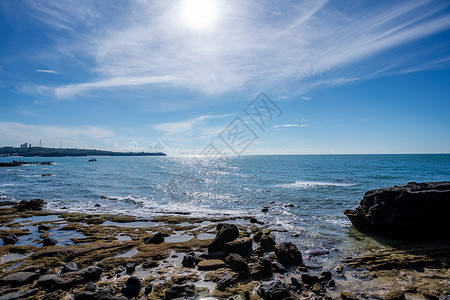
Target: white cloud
[[290, 125], [305, 98], [47, 71], [186, 127]]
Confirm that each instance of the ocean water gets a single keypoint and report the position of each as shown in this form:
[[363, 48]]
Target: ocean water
[[306, 194]]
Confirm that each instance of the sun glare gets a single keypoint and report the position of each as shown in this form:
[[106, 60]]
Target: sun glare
[[199, 14]]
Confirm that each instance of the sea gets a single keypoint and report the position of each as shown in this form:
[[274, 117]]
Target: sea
[[306, 195]]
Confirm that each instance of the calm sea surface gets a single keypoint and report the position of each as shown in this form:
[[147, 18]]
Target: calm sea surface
[[307, 194]]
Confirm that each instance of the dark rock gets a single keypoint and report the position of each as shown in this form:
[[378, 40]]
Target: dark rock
[[130, 267], [414, 210], [19, 278], [10, 239], [157, 238], [97, 205], [210, 264], [92, 273], [309, 279], [325, 276], [148, 289], [262, 268], [120, 270], [90, 287], [242, 247], [257, 236], [50, 280], [331, 283], [253, 220], [216, 254], [274, 290], [33, 204], [227, 233], [236, 262], [296, 284], [265, 209], [288, 254], [45, 175], [43, 227], [188, 261], [180, 291], [278, 268], [70, 267], [49, 242], [317, 251], [86, 295], [267, 243], [226, 281], [132, 287]]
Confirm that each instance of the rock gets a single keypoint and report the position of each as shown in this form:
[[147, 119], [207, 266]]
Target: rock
[[262, 268], [288, 254], [157, 238], [257, 236], [242, 247], [86, 295], [210, 264], [10, 239], [253, 220], [395, 295], [226, 281], [278, 268], [130, 267], [121, 270], [69, 267], [296, 284], [309, 279], [267, 243], [49, 242], [92, 273], [148, 289], [97, 205], [43, 227], [273, 290], [33, 204], [317, 251], [339, 268], [132, 288], [414, 210], [317, 288], [348, 296], [227, 233], [325, 276], [90, 287], [265, 209], [19, 278], [50, 280], [188, 261], [45, 175], [236, 263], [180, 291]]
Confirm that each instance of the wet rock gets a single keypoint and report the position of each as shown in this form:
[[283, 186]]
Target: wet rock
[[19, 278], [10, 239], [132, 287], [288, 254], [348, 296], [278, 268], [226, 281], [325, 276], [257, 236], [296, 284], [90, 287], [50, 281], [227, 233], [210, 264], [414, 210], [43, 227], [92, 273], [49, 242], [267, 243], [69, 267], [45, 175], [148, 289], [253, 220], [339, 268], [86, 295], [262, 268], [33, 204], [309, 279], [274, 290], [130, 267], [265, 209], [97, 205], [313, 266], [156, 238], [121, 270], [188, 261], [395, 295], [317, 251], [242, 247], [236, 263], [179, 291]]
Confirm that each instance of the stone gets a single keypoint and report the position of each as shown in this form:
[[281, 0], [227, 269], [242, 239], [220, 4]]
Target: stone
[[227, 233], [325, 276], [262, 268], [90, 287], [253, 220], [49, 242], [130, 267], [339, 268], [236, 263], [317, 251], [19, 278], [188, 261], [43, 227], [180, 291], [69, 267], [267, 243], [395, 295], [86, 295], [156, 238], [278, 268], [348, 296], [288, 254], [50, 280], [317, 288], [148, 289], [257, 236], [10, 239], [210, 264], [296, 284], [273, 290], [411, 211], [132, 288], [226, 281], [92, 273], [33, 204], [309, 279], [242, 247], [265, 209]]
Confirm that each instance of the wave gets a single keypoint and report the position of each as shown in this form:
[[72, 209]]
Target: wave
[[314, 184]]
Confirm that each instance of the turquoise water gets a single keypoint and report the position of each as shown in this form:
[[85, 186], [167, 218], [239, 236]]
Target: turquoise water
[[307, 194]]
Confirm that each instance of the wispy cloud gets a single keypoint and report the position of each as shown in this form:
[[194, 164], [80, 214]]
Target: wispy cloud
[[290, 125], [47, 71], [186, 127]]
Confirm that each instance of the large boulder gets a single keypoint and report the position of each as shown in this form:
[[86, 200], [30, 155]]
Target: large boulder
[[19, 278], [414, 210], [288, 254], [262, 268], [242, 247], [236, 263], [132, 287], [156, 238], [33, 204], [274, 290], [10, 239], [210, 264], [227, 233]]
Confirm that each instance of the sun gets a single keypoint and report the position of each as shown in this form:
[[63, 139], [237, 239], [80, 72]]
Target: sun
[[199, 14]]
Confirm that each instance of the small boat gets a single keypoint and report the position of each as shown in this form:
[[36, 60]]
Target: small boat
[[92, 159]]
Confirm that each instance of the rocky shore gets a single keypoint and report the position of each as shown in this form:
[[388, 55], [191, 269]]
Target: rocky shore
[[48, 255]]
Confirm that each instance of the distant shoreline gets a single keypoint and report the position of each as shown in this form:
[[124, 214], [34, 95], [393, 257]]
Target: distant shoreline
[[66, 152]]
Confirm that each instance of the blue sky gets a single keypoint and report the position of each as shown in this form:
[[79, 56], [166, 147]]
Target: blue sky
[[348, 76]]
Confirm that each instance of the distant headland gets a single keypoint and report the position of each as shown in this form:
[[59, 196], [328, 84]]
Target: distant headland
[[61, 152]]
